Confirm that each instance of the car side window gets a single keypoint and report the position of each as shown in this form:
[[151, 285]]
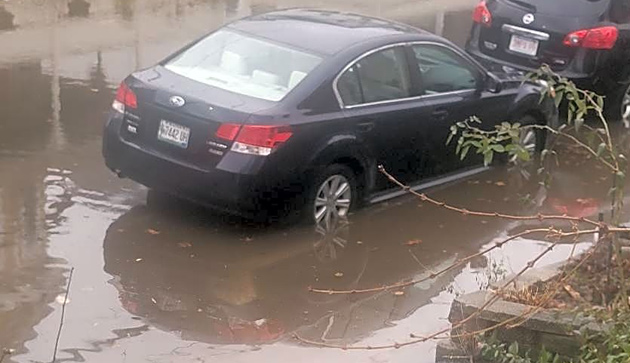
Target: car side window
[[442, 70], [349, 87], [381, 76]]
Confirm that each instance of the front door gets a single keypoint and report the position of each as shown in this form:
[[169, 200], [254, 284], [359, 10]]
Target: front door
[[452, 89], [380, 103]]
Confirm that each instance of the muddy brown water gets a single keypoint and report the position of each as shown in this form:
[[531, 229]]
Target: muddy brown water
[[174, 283]]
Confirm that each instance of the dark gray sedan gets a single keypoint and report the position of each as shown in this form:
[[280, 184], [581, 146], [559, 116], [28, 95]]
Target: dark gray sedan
[[294, 110]]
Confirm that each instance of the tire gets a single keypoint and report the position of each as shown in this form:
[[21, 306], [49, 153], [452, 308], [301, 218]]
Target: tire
[[319, 207], [158, 200], [522, 173], [617, 105]]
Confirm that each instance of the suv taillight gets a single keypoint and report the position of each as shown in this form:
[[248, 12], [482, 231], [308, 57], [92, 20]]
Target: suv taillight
[[482, 15], [254, 139], [597, 38], [125, 97]]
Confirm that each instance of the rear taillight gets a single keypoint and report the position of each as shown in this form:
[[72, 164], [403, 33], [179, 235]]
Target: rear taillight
[[125, 97], [254, 139], [482, 15], [228, 131], [596, 38]]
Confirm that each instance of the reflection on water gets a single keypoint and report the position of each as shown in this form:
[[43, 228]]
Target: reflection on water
[[78, 8], [6, 19]]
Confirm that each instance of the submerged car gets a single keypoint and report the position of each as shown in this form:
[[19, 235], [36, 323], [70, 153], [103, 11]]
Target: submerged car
[[584, 40], [295, 110]]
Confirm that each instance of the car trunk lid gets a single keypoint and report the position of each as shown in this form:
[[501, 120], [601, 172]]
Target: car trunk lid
[[178, 118], [530, 33]]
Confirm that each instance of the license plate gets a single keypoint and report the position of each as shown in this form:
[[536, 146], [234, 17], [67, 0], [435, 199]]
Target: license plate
[[174, 134], [524, 45]]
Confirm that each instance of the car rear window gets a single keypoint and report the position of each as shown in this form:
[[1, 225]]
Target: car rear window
[[563, 7], [245, 65]]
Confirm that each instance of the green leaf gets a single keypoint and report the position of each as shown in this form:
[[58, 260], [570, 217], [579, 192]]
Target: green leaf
[[513, 349], [499, 148], [450, 138], [464, 152], [559, 97], [600, 102], [523, 154], [487, 157], [601, 148], [621, 175]]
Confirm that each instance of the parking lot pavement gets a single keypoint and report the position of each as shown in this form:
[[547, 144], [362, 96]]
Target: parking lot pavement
[[170, 282]]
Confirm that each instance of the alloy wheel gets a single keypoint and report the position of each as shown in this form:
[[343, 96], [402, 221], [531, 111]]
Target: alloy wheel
[[528, 141], [333, 199], [625, 107]]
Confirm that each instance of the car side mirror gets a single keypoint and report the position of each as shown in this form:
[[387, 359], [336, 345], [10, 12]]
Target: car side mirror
[[493, 83]]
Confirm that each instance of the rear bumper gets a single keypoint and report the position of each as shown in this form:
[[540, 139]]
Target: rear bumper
[[571, 71], [244, 193]]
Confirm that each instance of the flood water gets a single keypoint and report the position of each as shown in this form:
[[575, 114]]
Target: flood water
[[170, 282]]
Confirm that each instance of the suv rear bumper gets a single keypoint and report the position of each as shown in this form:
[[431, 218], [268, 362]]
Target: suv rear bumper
[[241, 193], [571, 71]]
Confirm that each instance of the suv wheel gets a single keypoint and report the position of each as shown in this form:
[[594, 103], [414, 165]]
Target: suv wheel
[[617, 105], [332, 196]]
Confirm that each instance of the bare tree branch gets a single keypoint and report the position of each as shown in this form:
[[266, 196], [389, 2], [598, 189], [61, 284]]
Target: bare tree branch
[[63, 314]]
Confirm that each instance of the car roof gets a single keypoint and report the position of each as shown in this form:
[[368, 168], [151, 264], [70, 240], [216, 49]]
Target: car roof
[[322, 31]]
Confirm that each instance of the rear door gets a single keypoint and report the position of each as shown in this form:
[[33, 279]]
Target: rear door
[[530, 33]]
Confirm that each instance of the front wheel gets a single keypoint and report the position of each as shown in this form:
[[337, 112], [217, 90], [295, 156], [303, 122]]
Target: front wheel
[[522, 173], [332, 196], [533, 140]]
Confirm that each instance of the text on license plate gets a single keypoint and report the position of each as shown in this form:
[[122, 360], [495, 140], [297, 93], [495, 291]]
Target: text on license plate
[[524, 45], [173, 133]]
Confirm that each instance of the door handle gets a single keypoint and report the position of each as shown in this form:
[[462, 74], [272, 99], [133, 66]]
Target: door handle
[[440, 114], [366, 126]]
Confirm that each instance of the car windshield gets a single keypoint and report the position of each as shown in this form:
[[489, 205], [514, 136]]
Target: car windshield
[[245, 65]]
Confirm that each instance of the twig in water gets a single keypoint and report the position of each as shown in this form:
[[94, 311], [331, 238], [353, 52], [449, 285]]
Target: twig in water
[[63, 314], [5, 353]]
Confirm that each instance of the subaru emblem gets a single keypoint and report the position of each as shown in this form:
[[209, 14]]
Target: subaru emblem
[[177, 101], [528, 18]]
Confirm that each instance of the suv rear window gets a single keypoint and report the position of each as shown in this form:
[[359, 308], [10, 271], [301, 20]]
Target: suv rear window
[[245, 65], [568, 8]]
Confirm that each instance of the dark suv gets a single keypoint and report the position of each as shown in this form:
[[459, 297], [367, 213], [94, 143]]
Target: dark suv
[[583, 40]]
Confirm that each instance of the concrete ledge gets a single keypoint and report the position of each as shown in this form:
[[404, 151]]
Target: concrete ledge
[[555, 330]]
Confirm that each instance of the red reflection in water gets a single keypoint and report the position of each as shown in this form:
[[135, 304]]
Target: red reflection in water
[[581, 207]]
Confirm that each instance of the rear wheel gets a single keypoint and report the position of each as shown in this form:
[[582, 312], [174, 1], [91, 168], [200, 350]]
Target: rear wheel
[[332, 195]]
